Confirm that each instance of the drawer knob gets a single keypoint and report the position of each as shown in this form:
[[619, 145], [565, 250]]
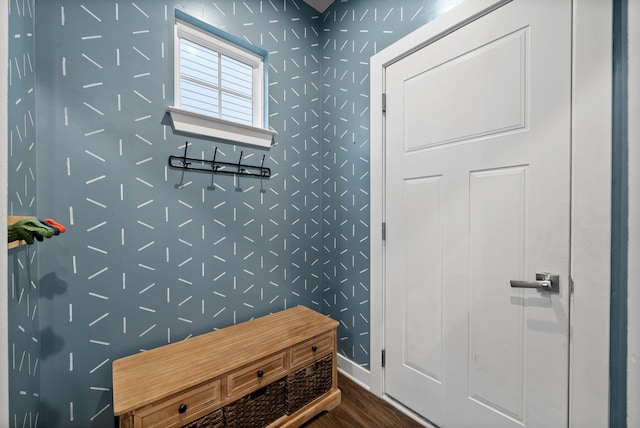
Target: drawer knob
[[260, 373], [182, 408], [314, 348]]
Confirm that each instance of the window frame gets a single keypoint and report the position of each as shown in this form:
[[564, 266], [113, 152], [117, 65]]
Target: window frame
[[190, 122]]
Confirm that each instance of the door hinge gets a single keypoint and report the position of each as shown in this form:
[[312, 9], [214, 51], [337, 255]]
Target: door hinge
[[384, 103], [571, 285], [384, 231], [382, 354]]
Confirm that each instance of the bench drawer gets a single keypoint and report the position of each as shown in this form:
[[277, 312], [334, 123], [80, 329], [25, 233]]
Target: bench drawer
[[259, 374], [311, 349], [174, 411]]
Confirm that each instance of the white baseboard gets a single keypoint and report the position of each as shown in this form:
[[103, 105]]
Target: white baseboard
[[354, 372]]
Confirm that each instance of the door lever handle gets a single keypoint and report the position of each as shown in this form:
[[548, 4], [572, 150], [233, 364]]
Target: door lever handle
[[544, 281]]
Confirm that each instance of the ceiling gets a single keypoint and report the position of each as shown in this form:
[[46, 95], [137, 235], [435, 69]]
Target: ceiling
[[319, 5]]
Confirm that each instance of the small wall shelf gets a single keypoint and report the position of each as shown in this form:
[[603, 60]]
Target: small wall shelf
[[14, 219], [189, 122]]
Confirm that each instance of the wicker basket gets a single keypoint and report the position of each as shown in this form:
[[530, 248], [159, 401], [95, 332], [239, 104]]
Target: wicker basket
[[212, 420], [257, 409], [308, 383]]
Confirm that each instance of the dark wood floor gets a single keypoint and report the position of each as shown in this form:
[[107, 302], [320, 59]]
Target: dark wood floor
[[360, 408]]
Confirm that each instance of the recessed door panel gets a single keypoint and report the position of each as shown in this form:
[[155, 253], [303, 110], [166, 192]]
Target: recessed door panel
[[422, 341], [496, 313], [461, 86]]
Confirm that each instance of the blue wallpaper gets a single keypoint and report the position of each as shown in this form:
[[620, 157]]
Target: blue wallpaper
[[153, 255], [23, 283]]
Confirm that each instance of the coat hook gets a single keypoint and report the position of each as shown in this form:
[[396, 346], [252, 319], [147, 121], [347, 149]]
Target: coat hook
[[184, 158], [213, 163], [240, 169]]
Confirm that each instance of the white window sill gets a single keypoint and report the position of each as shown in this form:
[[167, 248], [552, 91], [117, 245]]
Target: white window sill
[[199, 124]]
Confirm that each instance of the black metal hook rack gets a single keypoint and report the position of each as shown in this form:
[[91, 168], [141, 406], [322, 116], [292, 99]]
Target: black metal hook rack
[[219, 167]]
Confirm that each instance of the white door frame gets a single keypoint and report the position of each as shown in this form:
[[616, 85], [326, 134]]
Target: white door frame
[[590, 198]]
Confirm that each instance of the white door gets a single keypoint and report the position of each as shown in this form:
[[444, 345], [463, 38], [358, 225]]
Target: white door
[[477, 186]]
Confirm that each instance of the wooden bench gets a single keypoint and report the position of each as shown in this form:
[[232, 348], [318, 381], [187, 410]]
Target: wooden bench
[[254, 370]]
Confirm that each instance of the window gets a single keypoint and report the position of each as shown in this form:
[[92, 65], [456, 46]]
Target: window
[[220, 85]]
